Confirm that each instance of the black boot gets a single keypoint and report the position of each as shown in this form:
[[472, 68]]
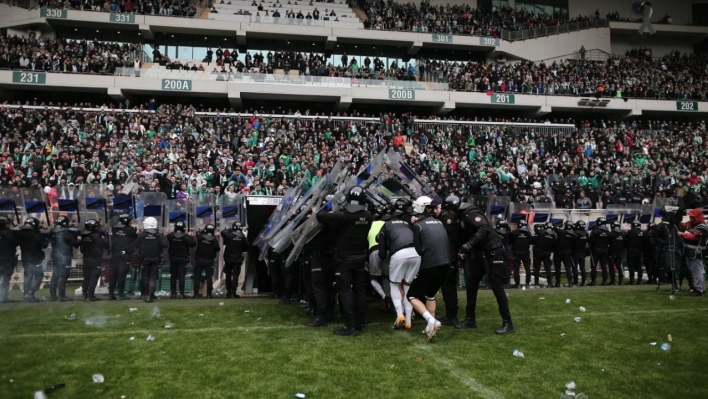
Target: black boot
[[112, 298], [182, 296], [53, 298], [229, 295], [122, 297], [592, 283], [345, 331], [236, 296], [93, 298], [318, 322], [467, 323], [148, 299], [449, 321], [173, 296], [65, 299], [506, 328]]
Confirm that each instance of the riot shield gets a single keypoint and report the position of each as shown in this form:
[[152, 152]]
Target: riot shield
[[66, 200], [520, 212], [148, 204], [406, 174], [658, 204], [10, 203], [498, 207], [232, 209], [541, 212], [275, 218], [179, 211], [614, 212], [98, 201], [204, 206], [35, 205], [631, 213], [645, 213]]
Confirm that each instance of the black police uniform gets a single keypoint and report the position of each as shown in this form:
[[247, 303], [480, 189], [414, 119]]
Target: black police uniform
[[600, 246], [63, 243], [543, 248], [670, 244], [351, 227], [204, 256], [504, 233], [179, 244], [8, 259], [433, 246], [323, 269], [489, 258], [563, 254], [617, 247], [579, 253], [520, 242], [150, 244], [635, 246], [395, 235], [235, 244], [122, 250], [92, 244], [650, 254], [32, 244], [449, 285]]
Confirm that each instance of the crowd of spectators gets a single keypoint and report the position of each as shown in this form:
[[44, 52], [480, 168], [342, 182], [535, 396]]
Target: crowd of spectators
[[455, 19], [171, 8], [177, 151], [634, 75], [61, 55]]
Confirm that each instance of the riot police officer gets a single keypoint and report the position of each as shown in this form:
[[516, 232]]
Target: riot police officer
[[502, 228], [323, 268], [63, 243], [204, 256], [635, 246], [543, 248], [579, 245], [179, 244], [92, 243], [150, 244], [600, 246], [32, 244], [650, 254], [351, 225], [520, 241], [617, 247], [235, 244], [563, 252], [123, 237], [449, 286], [489, 258], [667, 237], [8, 256], [431, 243]]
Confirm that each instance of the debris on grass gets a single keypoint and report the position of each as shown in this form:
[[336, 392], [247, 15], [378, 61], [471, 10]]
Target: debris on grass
[[155, 312], [259, 319], [581, 396], [150, 338], [132, 338], [576, 319], [71, 317], [40, 395], [201, 314], [419, 358], [246, 311], [300, 395], [518, 353], [133, 310], [672, 297], [567, 300], [221, 304], [571, 385], [523, 288], [98, 378], [562, 334], [541, 298], [669, 337], [665, 346], [582, 309], [652, 343], [169, 325]]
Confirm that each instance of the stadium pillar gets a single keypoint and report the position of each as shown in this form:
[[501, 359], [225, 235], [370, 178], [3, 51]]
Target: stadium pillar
[[445, 108], [241, 37], [116, 93], [634, 112], [543, 110], [235, 99], [344, 103], [331, 42], [414, 48], [146, 33]]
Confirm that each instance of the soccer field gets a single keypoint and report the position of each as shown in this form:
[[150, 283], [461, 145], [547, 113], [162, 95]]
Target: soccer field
[[255, 348]]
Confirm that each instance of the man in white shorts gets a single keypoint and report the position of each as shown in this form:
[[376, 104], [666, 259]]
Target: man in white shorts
[[396, 243]]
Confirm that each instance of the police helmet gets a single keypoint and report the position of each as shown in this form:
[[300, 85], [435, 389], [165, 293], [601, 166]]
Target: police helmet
[[180, 226], [636, 224], [568, 225], [209, 229], [580, 225], [4, 220], [91, 225], [600, 221], [615, 224], [236, 226], [62, 221], [150, 223], [33, 223], [356, 194], [452, 202], [421, 203], [522, 223], [125, 219], [502, 224]]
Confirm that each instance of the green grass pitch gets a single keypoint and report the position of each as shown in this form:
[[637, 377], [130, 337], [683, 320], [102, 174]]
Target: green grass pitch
[[254, 348]]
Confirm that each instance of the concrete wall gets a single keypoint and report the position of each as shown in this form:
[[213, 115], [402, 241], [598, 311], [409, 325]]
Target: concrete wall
[[659, 46], [472, 3], [680, 10], [559, 46]]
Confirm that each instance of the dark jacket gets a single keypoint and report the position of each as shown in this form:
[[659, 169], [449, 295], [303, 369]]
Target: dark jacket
[[351, 231], [431, 243], [394, 236], [235, 244], [32, 244], [150, 244], [92, 244], [179, 244]]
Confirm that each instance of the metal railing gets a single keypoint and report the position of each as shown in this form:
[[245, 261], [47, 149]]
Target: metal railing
[[554, 30], [538, 129]]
